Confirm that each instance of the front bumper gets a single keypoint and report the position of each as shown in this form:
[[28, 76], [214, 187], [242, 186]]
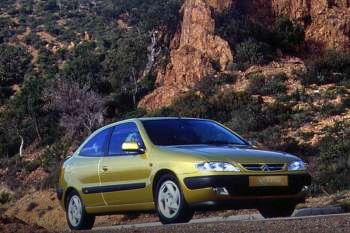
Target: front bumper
[[238, 185], [201, 192]]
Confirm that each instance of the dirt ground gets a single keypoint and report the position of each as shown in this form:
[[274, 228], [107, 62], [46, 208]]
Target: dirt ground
[[11, 225]]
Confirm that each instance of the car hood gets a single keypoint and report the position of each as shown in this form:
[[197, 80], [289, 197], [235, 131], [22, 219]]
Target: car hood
[[237, 154]]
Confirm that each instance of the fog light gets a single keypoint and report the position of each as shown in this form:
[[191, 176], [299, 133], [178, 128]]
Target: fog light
[[221, 191], [305, 189]]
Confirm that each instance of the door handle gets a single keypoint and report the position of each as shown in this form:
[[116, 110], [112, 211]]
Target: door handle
[[105, 168]]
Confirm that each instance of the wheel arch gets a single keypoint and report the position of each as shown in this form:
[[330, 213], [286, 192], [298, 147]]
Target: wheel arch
[[66, 194], [158, 175]]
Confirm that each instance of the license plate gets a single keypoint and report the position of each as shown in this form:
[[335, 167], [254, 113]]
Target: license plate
[[261, 181]]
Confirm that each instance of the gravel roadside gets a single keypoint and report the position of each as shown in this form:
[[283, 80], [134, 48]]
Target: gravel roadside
[[322, 224]]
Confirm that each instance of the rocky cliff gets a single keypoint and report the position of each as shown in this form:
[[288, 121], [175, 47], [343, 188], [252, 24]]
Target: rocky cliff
[[198, 52], [326, 22]]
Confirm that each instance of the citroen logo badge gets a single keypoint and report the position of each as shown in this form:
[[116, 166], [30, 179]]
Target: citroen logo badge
[[265, 168]]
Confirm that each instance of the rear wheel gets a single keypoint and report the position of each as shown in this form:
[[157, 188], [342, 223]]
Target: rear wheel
[[170, 203], [77, 218], [277, 209]]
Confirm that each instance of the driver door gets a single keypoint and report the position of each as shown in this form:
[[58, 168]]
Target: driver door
[[125, 176]]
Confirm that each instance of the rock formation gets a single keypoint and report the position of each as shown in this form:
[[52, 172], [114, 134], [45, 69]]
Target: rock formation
[[197, 53], [326, 22]]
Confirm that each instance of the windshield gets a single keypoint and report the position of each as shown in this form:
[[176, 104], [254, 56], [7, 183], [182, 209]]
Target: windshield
[[168, 132]]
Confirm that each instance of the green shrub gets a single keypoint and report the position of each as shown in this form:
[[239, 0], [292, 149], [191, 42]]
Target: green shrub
[[287, 35], [53, 155], [262, 85], [51, 162], [14, 63], [251, 52], [241, 111], [329, 109], [274, 138], [331, 67], [333, 170], [247, 119], [256, 82], [209, 85], [31, 166], [236, 27], [300, 95], [5, 195]]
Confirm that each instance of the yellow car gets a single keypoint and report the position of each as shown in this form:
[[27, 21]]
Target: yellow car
[[176, 166]]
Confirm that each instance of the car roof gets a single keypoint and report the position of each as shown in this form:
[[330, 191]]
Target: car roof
[[149, 119], [167, 118], [134, 120]]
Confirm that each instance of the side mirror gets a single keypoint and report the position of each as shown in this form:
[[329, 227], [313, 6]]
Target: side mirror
[[253, 143], [132, 147]]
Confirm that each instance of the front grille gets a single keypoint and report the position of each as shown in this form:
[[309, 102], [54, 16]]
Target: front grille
[[264, 167]]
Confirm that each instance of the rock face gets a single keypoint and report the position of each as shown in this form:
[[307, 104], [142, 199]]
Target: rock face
[[198, 51], [326, 22]]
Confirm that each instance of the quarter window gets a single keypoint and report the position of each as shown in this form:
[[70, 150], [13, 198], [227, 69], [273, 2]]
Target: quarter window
[[127, 132], [97, 145]]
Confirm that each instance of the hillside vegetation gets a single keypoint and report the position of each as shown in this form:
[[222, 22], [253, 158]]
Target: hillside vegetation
[[68, 67]]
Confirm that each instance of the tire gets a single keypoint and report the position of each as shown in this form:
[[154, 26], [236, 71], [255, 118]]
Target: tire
[[277, 209], [170, 202], [77, 218]]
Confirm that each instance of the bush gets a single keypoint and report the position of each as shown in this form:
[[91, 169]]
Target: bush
[[247, 119], [331, 67], [5, 195], [209, 85], [14, 63], [334, 162], [53, 155], [274, 138], [236, 27], [251, 52], [261, 85], [287, 35], [241, 111]]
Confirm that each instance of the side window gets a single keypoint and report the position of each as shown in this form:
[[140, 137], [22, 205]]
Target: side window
[[97, 145], [127, 132]]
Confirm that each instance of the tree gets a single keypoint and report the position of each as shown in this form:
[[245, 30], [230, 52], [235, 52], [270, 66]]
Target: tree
[[147, 15], [22, 114], [6, 29], [14, 64], [81, 109], [126, 62], [51, 5], [85, 66]]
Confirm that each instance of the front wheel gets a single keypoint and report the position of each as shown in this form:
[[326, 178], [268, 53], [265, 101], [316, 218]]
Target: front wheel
[[170, 203], [277, 209], [77, 218]]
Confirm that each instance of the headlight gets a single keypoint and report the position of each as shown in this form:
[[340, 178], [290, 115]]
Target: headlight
[[296, 166], [217, 167]]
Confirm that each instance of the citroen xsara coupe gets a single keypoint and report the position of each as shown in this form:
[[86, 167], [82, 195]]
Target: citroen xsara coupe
[[176, 166]]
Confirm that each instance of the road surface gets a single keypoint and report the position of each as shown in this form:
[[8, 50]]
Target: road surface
[[303, 221]]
